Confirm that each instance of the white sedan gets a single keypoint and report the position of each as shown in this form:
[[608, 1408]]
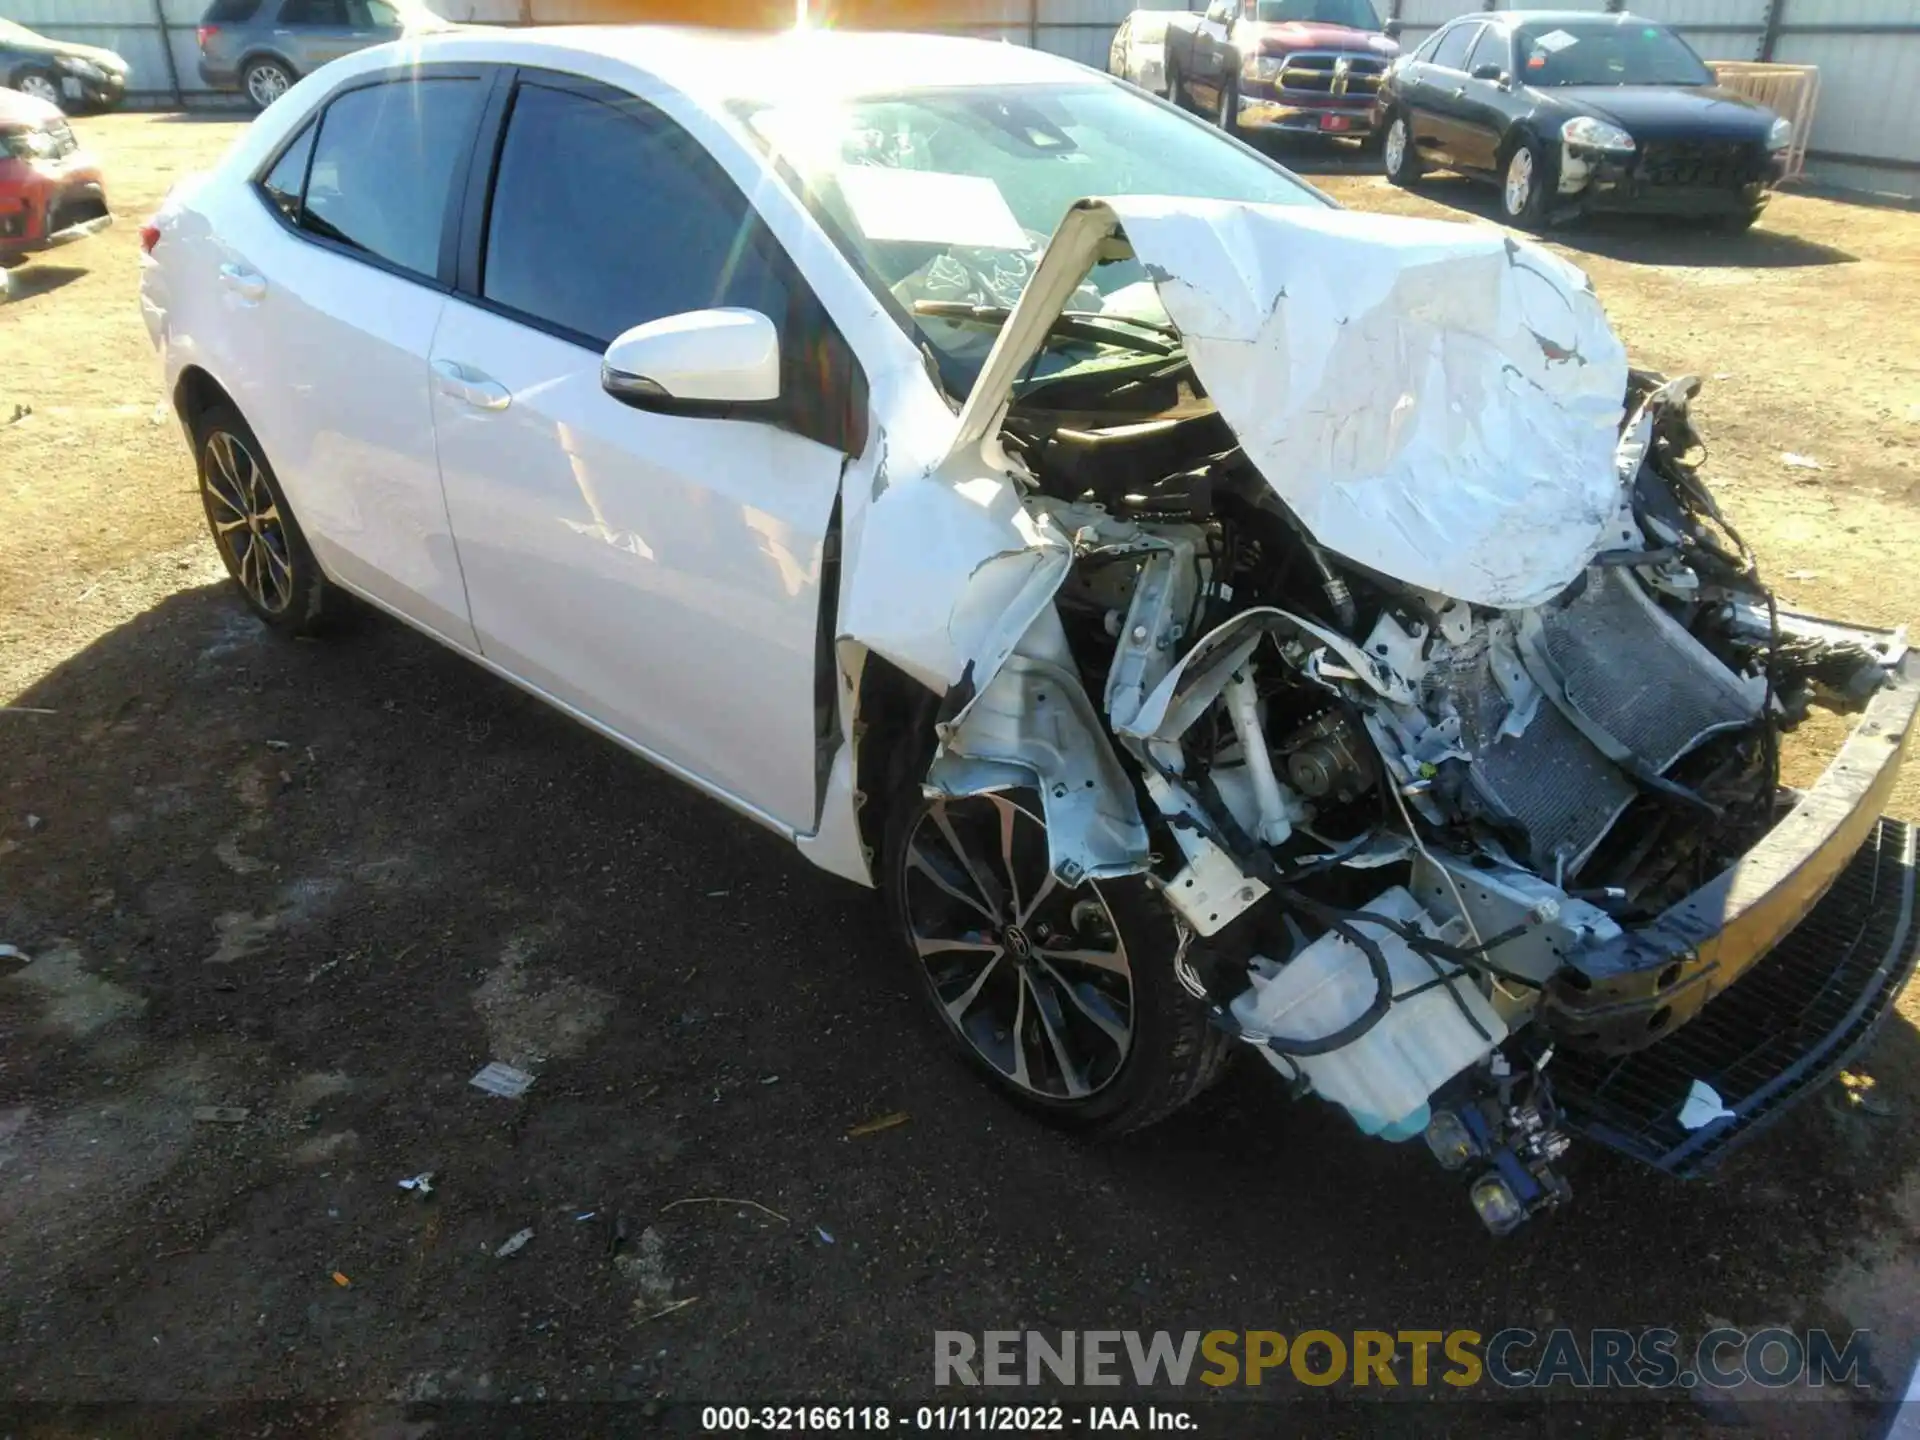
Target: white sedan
[[1210, 616]]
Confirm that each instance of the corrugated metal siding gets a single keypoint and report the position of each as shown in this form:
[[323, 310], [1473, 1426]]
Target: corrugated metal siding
[[1682, 13], [1869, 96], [1849, 12], [1875, 109]]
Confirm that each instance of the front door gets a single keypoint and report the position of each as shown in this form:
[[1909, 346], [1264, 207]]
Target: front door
[[660, 574], [1439, 95]]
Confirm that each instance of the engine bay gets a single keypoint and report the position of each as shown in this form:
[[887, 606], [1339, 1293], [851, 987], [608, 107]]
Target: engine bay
[[1390, 821]]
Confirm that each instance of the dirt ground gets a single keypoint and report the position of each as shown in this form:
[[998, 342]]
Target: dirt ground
[[327, 882]]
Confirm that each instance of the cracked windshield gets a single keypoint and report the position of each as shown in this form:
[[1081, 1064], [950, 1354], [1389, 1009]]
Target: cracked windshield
[[946, 200]]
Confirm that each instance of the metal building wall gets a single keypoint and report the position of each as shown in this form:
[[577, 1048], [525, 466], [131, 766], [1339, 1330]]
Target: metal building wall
[[1866, 132]]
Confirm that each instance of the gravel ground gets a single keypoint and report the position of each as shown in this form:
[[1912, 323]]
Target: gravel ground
[[326, 882]]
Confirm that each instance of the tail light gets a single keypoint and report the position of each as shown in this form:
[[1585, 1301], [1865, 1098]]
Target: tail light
[[204, 34], [149, 237]]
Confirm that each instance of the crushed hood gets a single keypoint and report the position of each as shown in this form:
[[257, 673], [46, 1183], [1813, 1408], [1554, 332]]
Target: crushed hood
[[1438, 402]]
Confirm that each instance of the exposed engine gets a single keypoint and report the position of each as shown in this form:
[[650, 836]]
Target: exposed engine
[[1390, 821]]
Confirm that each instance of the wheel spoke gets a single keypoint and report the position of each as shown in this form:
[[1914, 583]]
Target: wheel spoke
[[940, 945], [1069, 1072], [1112, 961], [227, 527], [962, 1003], [987, 892], [1046, 888], [917, 859], [1116, 1033], [1007, 817], [1022, 1076]]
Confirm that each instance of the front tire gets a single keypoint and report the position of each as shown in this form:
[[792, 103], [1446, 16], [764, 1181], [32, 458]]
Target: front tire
[[265, 81], [1524, 185], [260, 543], [1064, 1000], [1398, 155], [40, 84], [1228, 114]]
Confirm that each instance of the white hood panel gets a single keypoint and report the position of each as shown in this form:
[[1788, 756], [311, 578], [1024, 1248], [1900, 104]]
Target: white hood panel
[[1436, 401]]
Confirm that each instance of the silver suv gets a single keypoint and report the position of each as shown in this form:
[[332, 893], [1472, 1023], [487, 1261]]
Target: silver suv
[[261, 47]]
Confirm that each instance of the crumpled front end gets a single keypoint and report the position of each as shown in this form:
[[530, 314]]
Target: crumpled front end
[[1386, 627]]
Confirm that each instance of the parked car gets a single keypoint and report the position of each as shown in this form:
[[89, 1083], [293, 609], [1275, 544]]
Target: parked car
[[72, 77], [1138, 52], [1231, 623], [1571, 112], [51, 191], [262, 47], [1299, 66]]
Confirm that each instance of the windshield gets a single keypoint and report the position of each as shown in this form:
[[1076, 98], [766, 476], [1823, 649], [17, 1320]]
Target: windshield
[[1608, 54], [945, 198], [1355, 14]]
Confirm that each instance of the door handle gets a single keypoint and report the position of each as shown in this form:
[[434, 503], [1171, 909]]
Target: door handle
[[247, 284], [464, 383]]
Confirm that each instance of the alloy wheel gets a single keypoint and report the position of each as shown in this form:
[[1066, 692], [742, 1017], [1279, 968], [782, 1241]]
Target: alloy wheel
[[246, 522], [1396, 151], [1519, 186], [40, 88], [266, 84], [1033, 977]]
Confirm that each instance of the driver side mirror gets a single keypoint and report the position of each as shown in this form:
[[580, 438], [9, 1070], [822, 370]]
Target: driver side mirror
[[1392, 29], [704, 362], [1489, 72]]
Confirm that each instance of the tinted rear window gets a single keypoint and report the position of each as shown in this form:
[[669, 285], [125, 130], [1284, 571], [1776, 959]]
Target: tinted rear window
[[230, 12], [384, 166]]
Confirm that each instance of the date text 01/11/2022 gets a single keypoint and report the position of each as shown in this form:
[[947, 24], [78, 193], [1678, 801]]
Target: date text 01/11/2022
[[1007, 1419]]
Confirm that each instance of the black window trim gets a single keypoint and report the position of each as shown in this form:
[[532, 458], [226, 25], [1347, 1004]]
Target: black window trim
[[469, 260], [487, 75], [1473, 22]]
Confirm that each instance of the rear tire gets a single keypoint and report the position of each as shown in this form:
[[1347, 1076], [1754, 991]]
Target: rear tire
[[265, 81], [1741, 223], [1398, 155], [1064, 1001], [266, 555]]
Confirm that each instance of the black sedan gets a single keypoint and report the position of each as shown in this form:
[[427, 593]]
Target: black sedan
[[60, 72], [1572, 112]]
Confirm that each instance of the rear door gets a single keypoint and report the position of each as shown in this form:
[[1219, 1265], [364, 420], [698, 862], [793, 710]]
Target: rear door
[[332, 277], [661, 575], [316, 31]]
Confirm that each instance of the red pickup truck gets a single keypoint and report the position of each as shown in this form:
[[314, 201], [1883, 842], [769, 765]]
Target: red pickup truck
[[1300, 66]]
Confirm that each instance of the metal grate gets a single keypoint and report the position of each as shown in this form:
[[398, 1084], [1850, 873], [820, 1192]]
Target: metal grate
[[1780, 1030], [1318, 72], [1714, 164]]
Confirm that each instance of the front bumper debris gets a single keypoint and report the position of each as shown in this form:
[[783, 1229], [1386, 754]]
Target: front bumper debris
[[1633, 996], [1795, 1018]]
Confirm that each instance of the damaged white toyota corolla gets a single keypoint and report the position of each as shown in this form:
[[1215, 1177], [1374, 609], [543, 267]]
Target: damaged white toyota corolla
[[1215, 619]]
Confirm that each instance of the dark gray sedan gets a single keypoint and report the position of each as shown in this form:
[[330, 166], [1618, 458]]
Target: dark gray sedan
[[1573, 112]]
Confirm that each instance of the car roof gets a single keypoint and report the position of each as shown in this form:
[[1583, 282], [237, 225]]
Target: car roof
[[747, 65], [1514, 19]]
